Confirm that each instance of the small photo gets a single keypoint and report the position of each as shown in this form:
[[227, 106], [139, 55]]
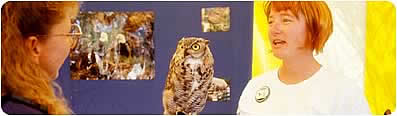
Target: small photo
[[216, 19], [219, 90], [114, 46]]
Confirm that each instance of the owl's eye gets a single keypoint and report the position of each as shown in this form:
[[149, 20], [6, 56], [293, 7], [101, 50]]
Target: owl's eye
[[195, 47]]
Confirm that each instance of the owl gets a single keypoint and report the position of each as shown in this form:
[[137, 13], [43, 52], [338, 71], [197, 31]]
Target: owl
[[189, 77]]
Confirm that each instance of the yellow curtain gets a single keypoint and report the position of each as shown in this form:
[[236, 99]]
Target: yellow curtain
[[262, 59], [380, 63]]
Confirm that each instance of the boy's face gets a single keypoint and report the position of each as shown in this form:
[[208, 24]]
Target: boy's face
[[287, 34]]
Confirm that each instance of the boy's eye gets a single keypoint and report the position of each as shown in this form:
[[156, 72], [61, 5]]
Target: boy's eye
[[287, 20]]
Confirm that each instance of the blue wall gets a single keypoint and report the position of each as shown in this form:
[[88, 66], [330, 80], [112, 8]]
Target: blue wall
[[173, 20]]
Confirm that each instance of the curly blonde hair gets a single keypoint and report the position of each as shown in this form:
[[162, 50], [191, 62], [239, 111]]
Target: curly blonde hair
[[19, 75]]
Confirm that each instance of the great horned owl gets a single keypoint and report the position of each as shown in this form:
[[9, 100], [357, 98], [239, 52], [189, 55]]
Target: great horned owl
[[189, 77]]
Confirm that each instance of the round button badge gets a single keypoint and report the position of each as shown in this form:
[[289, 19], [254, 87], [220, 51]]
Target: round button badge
[[262, 94]]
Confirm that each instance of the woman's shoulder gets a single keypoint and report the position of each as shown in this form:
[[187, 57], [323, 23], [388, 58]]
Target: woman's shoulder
[[246, 102], [265, 77], [332, 75], [19, 105], [347, 92]]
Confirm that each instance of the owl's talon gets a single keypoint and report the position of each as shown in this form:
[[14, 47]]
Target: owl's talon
[[180, 113]]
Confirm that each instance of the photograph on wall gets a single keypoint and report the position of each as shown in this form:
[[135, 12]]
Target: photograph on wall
[[114, 46], [215, 19]]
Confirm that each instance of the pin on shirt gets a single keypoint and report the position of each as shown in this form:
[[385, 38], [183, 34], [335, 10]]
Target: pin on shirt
[[262, 94]]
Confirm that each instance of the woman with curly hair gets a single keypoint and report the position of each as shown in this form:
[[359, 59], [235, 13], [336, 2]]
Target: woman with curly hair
[[36, 39]]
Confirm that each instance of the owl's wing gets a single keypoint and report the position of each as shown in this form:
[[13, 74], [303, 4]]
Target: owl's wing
[[179, 80], [173, 68], [177, 58]]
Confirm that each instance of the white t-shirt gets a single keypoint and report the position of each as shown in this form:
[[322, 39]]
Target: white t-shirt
[[326, 92]]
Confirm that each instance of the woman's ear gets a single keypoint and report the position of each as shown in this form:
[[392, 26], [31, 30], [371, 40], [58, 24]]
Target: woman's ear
[[33, 47]]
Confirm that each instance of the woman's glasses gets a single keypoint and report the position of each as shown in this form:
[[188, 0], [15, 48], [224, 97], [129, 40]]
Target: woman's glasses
[[74, 35]]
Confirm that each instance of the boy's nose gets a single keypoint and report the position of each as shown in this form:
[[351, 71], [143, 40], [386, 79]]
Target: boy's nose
[[275, 29]]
